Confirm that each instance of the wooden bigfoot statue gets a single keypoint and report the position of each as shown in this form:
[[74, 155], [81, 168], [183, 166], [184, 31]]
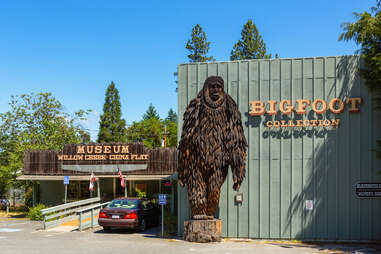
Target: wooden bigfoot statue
[[212, 139]]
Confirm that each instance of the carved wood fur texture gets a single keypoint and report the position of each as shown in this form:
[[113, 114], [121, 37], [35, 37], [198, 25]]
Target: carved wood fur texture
[[212, 139]]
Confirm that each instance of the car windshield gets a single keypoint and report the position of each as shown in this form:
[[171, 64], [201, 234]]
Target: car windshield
[[122, 203]]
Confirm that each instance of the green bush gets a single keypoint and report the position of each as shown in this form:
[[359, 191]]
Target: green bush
[[35, 212], [28, 197], [170, 224], [141, 194]]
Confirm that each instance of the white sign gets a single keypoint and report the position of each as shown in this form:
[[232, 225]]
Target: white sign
[[309, 204]]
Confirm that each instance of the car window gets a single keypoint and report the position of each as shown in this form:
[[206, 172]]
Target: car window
[[121, 203]]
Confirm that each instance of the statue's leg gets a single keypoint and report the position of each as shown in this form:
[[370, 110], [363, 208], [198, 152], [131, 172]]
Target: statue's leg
[[213, 191], [197, 195]]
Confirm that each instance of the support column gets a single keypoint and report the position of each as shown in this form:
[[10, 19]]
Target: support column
[[99, 187], [125, 188], [172, 199], [114, 187], [130, 187], [34, 193]]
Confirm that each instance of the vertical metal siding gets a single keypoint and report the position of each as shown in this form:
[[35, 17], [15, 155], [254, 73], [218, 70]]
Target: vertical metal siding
[[286, 167]]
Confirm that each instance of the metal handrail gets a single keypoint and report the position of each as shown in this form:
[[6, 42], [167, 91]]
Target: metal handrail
[[70, 205], [66, 210], [92, 209]]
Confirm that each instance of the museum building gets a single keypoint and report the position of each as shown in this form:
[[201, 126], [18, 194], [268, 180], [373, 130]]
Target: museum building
[[142, 169], [311, 128]]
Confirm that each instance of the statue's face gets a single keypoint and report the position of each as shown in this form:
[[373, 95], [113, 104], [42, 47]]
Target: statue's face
[[215, 91]]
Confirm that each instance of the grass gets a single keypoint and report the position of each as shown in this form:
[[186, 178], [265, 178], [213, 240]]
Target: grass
[[15, 212]]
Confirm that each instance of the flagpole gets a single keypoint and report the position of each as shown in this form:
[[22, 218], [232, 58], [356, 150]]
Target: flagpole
[[125, 189]]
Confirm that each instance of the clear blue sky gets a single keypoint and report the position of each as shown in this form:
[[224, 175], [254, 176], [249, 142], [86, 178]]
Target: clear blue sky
[[73, 49]]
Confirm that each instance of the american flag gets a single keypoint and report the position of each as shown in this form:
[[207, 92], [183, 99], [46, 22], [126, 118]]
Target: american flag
[[121, 177], [92, 181]]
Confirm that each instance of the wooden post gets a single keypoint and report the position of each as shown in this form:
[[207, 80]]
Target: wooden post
[[130, 187], [125, 188], [114, 187], [34, 193], [99, 188], [172, 199]]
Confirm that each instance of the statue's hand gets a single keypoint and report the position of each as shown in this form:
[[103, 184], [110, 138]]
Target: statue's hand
[[181, 183], [236, 186]]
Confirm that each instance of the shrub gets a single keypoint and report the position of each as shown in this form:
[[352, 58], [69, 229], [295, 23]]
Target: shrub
[[35, 212]]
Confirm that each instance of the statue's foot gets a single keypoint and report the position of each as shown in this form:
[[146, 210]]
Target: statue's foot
[[202, 217]]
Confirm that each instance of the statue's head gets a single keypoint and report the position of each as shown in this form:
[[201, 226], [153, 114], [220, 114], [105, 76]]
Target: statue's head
[[213, 90]]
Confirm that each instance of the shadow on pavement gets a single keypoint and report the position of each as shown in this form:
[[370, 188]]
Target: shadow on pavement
[[149, 232], [333, 247]]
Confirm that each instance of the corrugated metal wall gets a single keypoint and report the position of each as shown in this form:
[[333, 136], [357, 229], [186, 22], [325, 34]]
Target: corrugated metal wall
[[287, 166]]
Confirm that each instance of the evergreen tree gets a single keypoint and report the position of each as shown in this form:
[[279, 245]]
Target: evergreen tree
[[251, 45], [151, 113], [198, 46], [172, 116], [111, 127]]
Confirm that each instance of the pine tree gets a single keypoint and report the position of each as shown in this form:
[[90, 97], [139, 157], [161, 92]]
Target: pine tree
[[172, 116], [111, 127], [251, 45], [151, 113], [198, 46]]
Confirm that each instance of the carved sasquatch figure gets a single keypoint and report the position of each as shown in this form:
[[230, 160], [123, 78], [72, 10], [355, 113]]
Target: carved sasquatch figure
[[212, 139]]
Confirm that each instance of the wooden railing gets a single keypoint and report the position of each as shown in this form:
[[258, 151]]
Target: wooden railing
[[56, 215]]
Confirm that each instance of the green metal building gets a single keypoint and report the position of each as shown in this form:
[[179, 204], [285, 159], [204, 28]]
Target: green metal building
[[300, 181]]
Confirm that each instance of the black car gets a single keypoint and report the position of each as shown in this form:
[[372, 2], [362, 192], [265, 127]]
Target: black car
[[131, 213]]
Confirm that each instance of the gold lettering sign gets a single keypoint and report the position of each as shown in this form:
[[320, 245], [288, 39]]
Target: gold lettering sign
[[319, 106], [102, 153]]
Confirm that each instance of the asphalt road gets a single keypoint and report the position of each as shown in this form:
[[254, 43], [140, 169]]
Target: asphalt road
[[23, 236]]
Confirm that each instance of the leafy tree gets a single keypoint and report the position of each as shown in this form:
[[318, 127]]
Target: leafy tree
[[111, 127], [198, 46], [34, 121], [366, 32], [172, 116], [149, 131], [251, 45], [151, 113], [171, 133]]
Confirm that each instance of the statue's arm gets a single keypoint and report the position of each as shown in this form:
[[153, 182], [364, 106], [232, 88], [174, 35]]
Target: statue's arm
[[238, 145], [186, 155]]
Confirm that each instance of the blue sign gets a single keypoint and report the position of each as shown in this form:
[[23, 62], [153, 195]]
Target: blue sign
[[162, 199], [66, 179]]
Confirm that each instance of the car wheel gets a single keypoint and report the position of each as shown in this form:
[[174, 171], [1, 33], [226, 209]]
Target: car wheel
[[142, 226], [106, 229]]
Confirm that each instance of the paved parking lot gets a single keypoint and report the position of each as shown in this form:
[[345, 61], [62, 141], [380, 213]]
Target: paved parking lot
[[24, 236]]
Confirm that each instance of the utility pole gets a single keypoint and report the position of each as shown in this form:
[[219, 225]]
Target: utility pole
[[165, 135]]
